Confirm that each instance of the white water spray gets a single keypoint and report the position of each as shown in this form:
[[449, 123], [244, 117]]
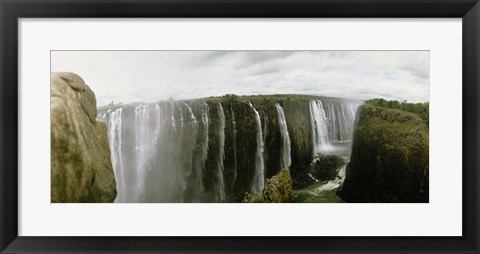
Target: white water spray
[[114, 124], [258, 177], [318, 121], [285, 159], [221, 156]]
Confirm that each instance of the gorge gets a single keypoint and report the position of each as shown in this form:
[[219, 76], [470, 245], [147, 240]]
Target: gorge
[[231, 126], [218, 149], [263, 148]]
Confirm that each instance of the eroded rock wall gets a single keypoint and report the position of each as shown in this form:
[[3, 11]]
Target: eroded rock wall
[[390, 158]]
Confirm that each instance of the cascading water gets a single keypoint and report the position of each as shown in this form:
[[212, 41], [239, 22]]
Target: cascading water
[[113, 119], [234, 132], [318, 121], [190, 166], [172, 116], [258, 177], [174, 151], [341, 120], [146, 132], [332, 130], [332, 123], [221, 156], [285, 159], [200, 164], [154, 151]]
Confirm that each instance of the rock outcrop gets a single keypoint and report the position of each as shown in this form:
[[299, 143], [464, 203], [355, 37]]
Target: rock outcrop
[[81, 169], [278, 189], [326, 168], [390, 158]]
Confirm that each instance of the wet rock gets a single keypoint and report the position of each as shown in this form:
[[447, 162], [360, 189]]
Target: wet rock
[[301, 176], [326, 168]]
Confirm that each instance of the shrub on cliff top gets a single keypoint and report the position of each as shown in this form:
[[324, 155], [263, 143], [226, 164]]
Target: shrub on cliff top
[[420, 109]]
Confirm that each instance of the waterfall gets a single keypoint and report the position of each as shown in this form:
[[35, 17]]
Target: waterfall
[[142, 142], [157, 152], [191, 166], [221, 156], [113, 120], [341, 120], [258, 177], [318, 121], [172, 116], [181, 115], [160, 151], [331, 123], [200, 167], [167, 181], [147, 129], [234, 131], [285, 159]]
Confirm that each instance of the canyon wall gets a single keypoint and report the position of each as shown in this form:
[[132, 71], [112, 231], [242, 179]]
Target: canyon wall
[[390, 158], [217, 149]]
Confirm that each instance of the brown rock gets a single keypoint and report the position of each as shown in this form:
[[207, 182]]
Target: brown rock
[[390, 158], [81, 169], [278, 189]]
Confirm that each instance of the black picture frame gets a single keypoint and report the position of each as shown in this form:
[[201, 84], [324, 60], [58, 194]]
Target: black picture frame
[[11, 11]]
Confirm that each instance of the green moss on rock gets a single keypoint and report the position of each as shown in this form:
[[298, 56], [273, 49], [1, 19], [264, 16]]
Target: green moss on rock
[[327, 166], [329, 196], [390, 158], [278, 189]]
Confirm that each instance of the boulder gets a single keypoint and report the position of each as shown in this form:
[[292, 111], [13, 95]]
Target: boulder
[[278, 189], [302, 176], [326, 168], [81, 169], [390, 158]]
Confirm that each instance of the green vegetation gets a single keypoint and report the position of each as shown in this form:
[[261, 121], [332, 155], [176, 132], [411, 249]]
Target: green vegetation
[[420, 109], [269, 98], [390, 158], [311, 194], [266, 100], [278, 189]]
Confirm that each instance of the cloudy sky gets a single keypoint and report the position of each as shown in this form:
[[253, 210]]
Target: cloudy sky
[[147, 76]]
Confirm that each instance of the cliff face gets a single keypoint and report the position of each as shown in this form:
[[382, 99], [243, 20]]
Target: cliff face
[[240, 139], [214, 149], [81, 170], [390, 158]]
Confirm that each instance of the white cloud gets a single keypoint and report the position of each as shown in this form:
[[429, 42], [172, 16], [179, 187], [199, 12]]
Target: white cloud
[[134, 76]]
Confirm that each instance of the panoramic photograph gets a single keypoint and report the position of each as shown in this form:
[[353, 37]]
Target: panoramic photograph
[[240, 126]]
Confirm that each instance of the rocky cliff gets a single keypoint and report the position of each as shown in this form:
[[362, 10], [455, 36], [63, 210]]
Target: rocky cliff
[[215, 149], [81, 169], [390, 158]]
